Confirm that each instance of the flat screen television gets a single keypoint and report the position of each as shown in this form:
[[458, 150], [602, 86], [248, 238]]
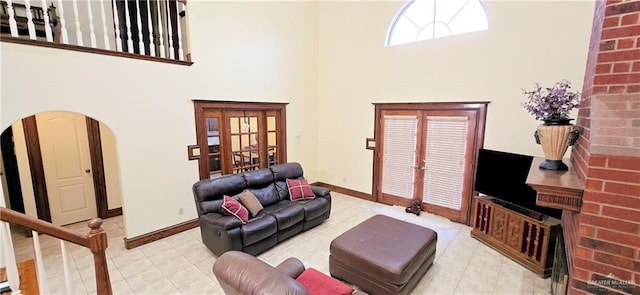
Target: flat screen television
[[503, 175]]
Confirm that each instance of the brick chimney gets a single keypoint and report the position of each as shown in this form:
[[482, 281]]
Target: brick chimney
[[603, 240]]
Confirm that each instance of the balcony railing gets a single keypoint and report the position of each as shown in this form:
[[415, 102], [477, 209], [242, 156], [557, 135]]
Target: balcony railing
[[150, 29]]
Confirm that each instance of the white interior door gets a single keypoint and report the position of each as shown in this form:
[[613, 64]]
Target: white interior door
[[67, 166]]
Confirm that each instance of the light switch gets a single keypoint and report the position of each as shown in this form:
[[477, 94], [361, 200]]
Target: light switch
[[196, 152]]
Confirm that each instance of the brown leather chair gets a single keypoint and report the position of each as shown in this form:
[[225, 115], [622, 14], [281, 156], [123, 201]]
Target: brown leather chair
[[241, 273]]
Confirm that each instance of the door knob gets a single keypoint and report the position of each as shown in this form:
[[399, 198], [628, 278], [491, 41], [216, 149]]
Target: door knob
[[88, 170]]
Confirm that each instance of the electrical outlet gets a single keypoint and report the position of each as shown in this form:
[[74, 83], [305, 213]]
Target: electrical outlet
[[180, 211]]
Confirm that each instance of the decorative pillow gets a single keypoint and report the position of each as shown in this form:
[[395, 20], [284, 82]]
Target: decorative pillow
[[231, 207], [318, 283], [251, 202], [299, 189]]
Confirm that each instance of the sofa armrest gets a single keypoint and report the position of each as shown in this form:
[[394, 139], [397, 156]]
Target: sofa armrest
[[320, 191], [221, 221], [292, 267], [241, 273]]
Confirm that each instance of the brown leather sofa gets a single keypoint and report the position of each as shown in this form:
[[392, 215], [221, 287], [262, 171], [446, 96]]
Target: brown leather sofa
[[240, 273], [279, 220]]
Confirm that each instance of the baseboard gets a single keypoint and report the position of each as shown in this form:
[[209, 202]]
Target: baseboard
[[344, 190], [160, 234], [113, 212]]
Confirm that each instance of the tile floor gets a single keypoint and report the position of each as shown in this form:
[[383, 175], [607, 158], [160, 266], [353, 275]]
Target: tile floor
[[181, 264]]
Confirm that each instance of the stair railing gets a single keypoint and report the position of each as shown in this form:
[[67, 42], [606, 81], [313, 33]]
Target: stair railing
[[95, 240]]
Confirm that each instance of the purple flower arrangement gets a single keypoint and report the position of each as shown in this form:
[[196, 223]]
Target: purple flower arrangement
[[553, 103]]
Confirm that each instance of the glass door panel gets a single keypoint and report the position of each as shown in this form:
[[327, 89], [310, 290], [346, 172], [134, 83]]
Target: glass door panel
[[213, 146], [244, 134], [272, 139]]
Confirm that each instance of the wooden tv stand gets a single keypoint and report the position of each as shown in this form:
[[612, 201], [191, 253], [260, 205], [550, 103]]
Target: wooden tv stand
[[525, 240]]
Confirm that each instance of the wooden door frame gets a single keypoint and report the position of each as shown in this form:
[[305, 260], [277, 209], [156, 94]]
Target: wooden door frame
[[12, 175], [37, 169], [200, 106], [480, 109]]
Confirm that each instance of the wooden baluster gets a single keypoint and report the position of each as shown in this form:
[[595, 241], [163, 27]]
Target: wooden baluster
[[172, 55], [63, 26], [152, 45], [41, 275], [13, 25], [128, 23], [68, 279], [160, 33], [92, 34], [6, 245], [140, 36], [104, 26], [98, 244], [116, 22], [47, 26], [77, 20], [180, 51], [30, 26]]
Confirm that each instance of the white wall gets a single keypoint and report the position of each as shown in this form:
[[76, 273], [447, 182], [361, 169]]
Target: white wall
[[527, 42], [326, 59], [244, 51]]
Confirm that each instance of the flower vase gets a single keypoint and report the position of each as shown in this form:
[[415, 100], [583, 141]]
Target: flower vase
[[556, 136]]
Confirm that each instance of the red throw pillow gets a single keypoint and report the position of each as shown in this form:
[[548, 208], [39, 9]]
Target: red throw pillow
[[299, 189], [318, 283], [231, 207]]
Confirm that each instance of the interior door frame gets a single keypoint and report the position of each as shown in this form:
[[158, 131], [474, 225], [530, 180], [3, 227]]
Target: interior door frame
[[37, 169], [202, 106], [478, 107], [11, 170]]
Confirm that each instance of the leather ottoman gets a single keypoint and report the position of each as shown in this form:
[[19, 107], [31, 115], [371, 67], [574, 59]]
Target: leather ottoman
[[383, 255]]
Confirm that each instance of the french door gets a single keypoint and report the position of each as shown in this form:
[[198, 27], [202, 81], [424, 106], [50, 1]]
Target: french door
[[239, 137], [426, 152]]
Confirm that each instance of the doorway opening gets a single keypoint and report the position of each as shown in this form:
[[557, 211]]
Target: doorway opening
[[62, 167]]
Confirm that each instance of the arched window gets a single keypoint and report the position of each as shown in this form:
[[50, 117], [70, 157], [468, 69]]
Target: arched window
[[429, 19]]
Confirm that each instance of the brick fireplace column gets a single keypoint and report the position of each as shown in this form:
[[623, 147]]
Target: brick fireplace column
[[603, 239]]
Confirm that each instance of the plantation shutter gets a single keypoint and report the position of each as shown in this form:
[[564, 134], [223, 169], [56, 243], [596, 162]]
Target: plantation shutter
[[444, 163], [399, 154]]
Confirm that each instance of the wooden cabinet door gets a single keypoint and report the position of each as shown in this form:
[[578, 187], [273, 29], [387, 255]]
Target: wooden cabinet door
[[514, 232], [499, 224]]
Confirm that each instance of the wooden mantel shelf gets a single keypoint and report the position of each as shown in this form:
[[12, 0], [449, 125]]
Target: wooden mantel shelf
[[556, 189]]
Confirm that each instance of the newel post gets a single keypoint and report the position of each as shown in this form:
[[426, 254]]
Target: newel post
[[98, 244]]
